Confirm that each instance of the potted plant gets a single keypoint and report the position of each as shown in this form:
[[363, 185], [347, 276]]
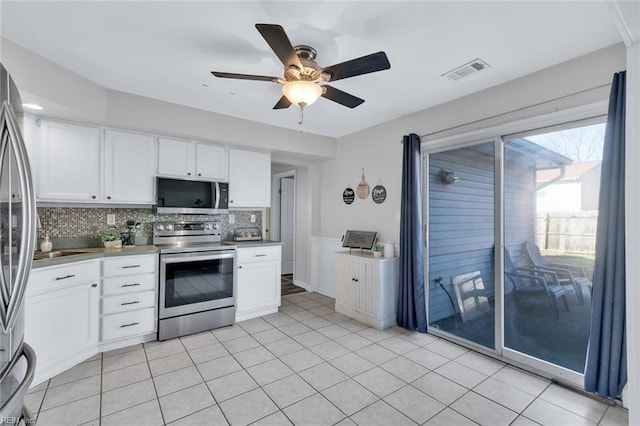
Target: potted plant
[[110, 239], [377, 250]]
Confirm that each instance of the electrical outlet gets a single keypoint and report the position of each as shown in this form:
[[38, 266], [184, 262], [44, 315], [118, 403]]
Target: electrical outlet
[[232, 219], [253, 218], [111, 219]]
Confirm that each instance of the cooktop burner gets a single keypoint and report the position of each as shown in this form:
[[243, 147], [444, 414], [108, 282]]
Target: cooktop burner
[[183, 234]]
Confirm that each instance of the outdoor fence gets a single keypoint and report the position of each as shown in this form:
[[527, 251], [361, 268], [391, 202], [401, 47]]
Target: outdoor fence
[[567, 232]]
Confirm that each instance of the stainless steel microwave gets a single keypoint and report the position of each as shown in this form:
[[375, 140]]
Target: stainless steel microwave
[[191, 197]]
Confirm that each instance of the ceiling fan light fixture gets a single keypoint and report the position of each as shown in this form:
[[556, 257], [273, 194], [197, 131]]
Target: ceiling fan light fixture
[[302, 93]]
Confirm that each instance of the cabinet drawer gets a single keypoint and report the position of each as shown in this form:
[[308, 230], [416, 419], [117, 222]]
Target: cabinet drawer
[[128, 324], [127, 265], [128, 284], [128, 302], [258, 254], [54, 277]]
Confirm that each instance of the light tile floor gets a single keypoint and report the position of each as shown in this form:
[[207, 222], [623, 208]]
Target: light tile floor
[[307, 365]]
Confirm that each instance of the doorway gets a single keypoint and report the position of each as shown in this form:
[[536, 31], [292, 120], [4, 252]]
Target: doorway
[[511, 244], [283, 225]]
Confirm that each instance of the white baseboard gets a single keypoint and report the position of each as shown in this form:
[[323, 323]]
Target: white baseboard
[[304, 285]]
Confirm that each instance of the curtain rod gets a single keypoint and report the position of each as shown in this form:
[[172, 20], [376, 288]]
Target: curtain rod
[[513, 111]]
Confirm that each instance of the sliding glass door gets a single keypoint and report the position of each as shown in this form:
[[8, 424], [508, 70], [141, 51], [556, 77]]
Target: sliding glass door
[[551, 189], [511, 245], [461, 243]]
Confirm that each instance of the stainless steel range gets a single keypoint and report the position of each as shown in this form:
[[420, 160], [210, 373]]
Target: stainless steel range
[[197, 278]]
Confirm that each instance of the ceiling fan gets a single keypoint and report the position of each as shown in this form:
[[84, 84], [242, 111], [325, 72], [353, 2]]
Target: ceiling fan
[[303, 75]]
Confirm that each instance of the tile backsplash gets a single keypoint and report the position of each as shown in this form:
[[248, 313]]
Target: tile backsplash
[[89, 223]]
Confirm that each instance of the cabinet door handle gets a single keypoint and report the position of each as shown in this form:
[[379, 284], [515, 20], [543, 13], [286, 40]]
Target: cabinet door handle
[[93, 197], [199, 174], [94, 285], [130, 303], [239, 266], [130, 285], [65, 277], [260, 255], [188, 173], [130, 266], [129, 325], [108, 197]]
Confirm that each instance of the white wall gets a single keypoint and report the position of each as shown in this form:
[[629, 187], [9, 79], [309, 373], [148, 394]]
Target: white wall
[[378, 149], [632, 194]]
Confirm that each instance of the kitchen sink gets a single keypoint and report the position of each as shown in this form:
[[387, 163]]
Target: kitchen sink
[[56, 253]]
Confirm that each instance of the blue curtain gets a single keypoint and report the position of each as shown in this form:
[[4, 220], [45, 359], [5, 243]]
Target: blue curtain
[[411, 298], [606, 366]]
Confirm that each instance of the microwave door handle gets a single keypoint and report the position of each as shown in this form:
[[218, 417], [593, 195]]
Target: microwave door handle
[[217, 206]]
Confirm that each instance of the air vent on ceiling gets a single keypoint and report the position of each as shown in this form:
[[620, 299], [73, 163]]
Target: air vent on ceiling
[[472, 67]]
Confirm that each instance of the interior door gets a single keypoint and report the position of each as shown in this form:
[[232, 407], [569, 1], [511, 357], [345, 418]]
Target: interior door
[[287, 223]]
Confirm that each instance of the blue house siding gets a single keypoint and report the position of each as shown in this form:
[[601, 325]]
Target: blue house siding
[[461, 223], [461, 218]]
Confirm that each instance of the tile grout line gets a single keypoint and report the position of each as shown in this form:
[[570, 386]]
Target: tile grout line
[[101, 383], [217, 404]]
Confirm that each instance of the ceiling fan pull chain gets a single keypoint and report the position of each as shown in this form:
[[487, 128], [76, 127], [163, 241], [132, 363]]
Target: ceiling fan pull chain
[[301, 115]]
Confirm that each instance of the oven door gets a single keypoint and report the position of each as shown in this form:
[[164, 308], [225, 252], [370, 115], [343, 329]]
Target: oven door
[[196, 281]]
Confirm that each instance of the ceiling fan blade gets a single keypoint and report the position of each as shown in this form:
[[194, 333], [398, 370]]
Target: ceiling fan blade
[[363, 65], [244, 76], [277, 39], [282, 103], [341, 97]]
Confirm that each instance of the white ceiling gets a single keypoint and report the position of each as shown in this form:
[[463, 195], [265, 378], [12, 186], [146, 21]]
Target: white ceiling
[[166, 49]]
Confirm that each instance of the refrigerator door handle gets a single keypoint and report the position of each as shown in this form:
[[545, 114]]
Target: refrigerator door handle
[[14, 402], [12, 290]]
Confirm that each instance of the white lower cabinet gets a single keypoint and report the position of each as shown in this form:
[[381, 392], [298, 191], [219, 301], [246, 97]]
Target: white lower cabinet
[[366, 288], [258, 284], [71, 314], [61, 316], [129, 297]]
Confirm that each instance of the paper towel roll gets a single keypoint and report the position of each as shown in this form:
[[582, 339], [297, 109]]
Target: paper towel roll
[[388, 249]]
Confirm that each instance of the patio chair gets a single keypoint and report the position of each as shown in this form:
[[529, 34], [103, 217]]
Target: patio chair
[[574, 276], [473, 297], [528, 283]]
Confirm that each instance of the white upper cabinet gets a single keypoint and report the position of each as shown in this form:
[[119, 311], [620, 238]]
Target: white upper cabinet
[[175, 158], [129, 168], [211, 161], [191, 160], [68, 164], [249, 178]]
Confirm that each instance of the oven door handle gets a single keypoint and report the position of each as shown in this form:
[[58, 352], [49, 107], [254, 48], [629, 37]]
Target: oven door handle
[[193, 257]]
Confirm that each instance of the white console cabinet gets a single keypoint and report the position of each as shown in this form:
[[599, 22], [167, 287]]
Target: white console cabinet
[[366, 288], [258, 285]]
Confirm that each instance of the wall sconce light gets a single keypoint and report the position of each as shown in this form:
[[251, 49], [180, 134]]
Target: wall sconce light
[[448, 177]]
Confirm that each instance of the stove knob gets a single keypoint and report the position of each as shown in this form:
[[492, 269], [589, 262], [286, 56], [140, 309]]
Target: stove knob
[[216, 226], [160, 227], [207, 226], [169, 227]]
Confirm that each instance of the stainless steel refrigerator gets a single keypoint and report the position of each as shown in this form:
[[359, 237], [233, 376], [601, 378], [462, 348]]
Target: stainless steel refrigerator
[[17, 242]]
